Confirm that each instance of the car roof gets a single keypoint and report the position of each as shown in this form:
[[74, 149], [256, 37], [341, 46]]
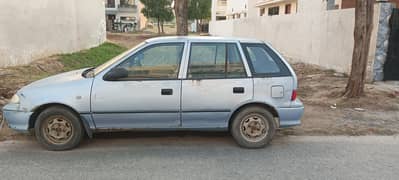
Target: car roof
[[201, 38]]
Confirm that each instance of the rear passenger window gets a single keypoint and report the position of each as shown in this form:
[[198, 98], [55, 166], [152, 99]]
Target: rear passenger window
[[215, 60], [235, 67], [263, 61]]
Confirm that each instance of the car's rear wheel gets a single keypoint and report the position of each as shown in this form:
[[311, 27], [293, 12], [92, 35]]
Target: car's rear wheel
[[57, 128], [253, 127]]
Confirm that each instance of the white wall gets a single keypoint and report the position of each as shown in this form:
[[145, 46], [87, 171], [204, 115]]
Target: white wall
[[33, 29], [313, 35]]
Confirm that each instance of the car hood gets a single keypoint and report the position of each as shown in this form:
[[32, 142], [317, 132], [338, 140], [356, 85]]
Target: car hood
[[57, 79]]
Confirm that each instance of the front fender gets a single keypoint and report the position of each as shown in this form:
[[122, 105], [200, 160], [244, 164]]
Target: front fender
[[75, 95]]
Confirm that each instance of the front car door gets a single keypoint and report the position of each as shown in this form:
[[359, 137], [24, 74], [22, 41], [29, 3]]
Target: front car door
[[149, 97], [216, 82]]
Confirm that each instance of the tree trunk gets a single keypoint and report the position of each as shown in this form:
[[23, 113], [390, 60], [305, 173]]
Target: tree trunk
[[363, 26], [181, 12], [198, 26], [158, 25], [163, 32]]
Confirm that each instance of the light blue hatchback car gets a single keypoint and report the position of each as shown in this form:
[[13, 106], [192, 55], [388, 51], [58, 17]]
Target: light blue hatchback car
[[170, 83]]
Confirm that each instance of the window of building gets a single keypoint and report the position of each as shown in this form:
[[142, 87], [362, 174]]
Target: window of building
[[262, 11], [288, 9], [127, 4], [274, 11], [110, 3], [123, 18], [159, 61], [220, 18], [222, 2], [215, 60]]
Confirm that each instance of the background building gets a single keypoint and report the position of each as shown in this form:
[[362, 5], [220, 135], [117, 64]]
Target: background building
[[276, 7], [124, 15], [229, 9], [345, 4]]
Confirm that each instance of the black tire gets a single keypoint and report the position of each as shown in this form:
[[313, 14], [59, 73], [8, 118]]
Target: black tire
[[259, 117], [66, 122]]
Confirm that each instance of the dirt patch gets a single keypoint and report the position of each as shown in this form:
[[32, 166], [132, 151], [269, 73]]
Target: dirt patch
[[319, 86], [13, 78], [326, 111], [128, 40]]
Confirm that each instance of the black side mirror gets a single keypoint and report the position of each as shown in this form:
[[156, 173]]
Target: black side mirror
[[116, 74]]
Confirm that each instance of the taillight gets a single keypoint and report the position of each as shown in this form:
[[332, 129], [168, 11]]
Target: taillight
[[293, 96]]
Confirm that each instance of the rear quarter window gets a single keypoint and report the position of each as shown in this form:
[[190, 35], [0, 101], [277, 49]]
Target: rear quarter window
[[263, 61]]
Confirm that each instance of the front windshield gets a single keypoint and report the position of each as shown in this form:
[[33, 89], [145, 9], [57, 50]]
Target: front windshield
[[115, 59]]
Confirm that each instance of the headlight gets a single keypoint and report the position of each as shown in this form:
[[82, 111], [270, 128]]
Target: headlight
[[15, 99]]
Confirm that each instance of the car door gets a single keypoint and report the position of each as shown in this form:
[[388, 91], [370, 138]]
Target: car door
[[216, 82], [148, 97]]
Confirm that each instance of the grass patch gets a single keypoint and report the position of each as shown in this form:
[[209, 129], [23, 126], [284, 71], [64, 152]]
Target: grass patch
[[91, 57]]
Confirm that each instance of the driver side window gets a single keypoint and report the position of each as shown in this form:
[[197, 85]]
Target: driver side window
[[159, 61]]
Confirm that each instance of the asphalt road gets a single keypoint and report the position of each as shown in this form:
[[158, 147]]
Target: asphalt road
[[202, 156]]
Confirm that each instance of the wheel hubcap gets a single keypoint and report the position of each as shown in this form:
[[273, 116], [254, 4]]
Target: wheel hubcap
[[58, 130], [254, 128]]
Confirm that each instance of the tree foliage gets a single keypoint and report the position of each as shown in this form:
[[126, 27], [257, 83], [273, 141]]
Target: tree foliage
[[199, 9], [160, 10]]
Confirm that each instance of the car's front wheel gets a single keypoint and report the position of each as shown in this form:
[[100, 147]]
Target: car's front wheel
[[253, 127], [57, 128]]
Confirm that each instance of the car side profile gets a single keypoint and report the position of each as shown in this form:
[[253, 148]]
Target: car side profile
[[170, 83]]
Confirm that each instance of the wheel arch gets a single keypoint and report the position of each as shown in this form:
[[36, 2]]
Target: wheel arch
[[39, 109], [266, 106]]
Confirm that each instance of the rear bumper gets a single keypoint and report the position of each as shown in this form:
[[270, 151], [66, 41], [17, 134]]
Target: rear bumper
[[290, 116], [17, 120]]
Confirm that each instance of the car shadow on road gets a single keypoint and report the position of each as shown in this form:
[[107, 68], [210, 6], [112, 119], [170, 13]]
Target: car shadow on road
[[155, 138], [140, 140], [160, 138], [157, 134]]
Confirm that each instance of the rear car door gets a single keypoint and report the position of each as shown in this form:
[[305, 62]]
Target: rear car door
[[216, 82], [149, 97]]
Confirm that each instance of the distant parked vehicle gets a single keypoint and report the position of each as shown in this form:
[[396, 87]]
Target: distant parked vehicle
[[124, 26], [170, 83]]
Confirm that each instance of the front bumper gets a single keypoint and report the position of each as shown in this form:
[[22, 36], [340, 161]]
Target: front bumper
[[17, 120], [291, 116]]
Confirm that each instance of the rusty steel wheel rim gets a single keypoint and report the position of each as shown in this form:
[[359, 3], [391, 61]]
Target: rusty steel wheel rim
[[254, 128], [58, 130]]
